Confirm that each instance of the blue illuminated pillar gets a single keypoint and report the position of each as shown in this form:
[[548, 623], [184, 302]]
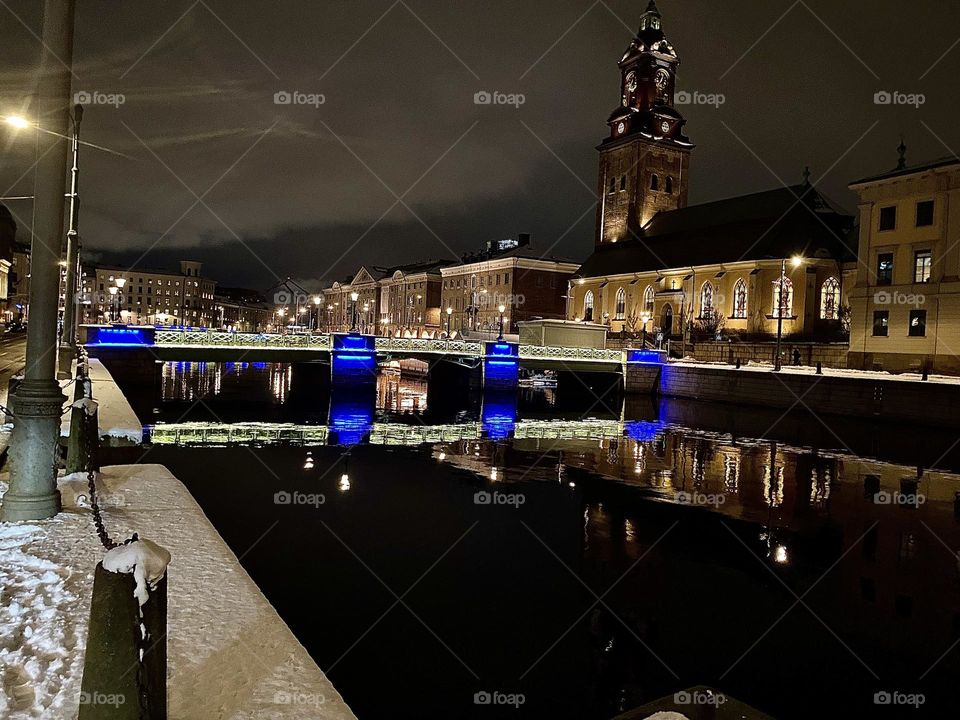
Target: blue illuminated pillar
[[643, 371], [353, 385], [501, 365]]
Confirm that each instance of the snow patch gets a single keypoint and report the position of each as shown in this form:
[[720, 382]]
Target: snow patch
[[145, 559]]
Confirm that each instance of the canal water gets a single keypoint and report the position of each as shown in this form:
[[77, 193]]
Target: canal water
[[577, 557]]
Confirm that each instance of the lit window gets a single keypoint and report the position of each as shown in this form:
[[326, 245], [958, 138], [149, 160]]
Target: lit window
[[588, 306], [922, 264], [783, 299], [918, 323], [706, 300], [830, 299], [740, 300], [621, 304], [648, 300], [881, 323], [884, 268]]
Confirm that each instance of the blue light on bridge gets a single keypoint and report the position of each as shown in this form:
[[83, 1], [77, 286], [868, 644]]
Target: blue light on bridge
[[645, 356], [498, 416], [351, 418], [119, 336]]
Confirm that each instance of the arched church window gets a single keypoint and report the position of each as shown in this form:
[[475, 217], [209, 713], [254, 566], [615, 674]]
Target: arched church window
[[706, 300], [783, 302], [621, 304], [588, 306], [669, 185], [648, 299], [830, 299], [654, 182], [740, 300], [623, 183], [613, 185]]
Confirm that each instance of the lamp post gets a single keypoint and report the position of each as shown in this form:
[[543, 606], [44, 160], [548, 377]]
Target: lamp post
[[354, 296], [449, 313], [329, 321], [316, 306], [113, 301], [796, 261], [32, 493], [501, 309]]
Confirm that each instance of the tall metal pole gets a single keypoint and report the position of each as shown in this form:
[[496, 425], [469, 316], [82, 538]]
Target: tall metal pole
[[33, 493], [783, 276], [68, 340]]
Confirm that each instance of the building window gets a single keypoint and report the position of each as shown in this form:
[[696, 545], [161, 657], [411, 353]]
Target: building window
[[783, 301], [884, 268], [648, 299], [654, 182], [888, 218], [706, 300], [918, 323], [881, 323], [621, 304], [925, 213], [740, 300], [830, 299], [669, 185], [623, 183], [922, 263], [588, 306], [613, 185]]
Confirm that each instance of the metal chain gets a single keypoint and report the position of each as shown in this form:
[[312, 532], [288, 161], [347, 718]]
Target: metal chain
[[92, 440]]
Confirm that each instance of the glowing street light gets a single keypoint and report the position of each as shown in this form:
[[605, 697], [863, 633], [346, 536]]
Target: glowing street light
[[796, 261], [353, 322], [21, 123], [501, 309]]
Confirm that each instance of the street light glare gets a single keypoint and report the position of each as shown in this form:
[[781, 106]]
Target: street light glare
[[796, 261], [17, 121]]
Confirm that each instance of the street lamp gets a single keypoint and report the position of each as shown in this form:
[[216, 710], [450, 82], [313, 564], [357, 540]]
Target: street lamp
[[113, 301], [316, 305], [501, 309], [796, 261], [354, 296], [449, 313], [21, 123]]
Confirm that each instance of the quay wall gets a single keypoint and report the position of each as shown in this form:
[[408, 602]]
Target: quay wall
[[913, 401]]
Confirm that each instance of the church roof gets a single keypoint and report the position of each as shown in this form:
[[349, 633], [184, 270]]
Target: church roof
[[749, 227]]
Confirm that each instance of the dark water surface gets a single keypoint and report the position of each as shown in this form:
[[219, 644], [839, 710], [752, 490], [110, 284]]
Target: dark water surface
[[589, 566]]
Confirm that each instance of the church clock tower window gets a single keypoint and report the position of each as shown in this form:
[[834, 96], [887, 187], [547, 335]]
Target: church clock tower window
[[646, 135]]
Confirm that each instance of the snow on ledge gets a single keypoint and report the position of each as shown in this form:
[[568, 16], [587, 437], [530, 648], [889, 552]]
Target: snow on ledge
[[118, 421], [229, 653]]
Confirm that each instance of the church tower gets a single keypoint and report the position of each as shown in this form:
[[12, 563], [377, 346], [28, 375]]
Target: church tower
[[645, 161]]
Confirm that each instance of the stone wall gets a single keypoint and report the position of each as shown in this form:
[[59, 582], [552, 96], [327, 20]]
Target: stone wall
[[832, 355], [913, 401]]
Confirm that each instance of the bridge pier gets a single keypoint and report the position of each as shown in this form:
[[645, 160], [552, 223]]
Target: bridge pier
[[501, 366], [578, 388], [353, 387], [449, 382]]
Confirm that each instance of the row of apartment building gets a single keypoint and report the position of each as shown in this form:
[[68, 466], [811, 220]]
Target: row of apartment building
[[457, 297]]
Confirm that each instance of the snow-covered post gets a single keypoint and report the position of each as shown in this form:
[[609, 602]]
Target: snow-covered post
[[125, 664], [83, 442]]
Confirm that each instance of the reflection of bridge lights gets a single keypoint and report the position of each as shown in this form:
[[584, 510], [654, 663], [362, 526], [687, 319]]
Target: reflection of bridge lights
[[493, 473], [780, 555], [572, 484], [442, 456], [308, 462], [344, 482]]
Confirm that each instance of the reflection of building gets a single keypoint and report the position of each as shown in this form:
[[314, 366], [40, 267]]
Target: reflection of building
[[658, 263], [241, 310], [906, 302], [149, 296], [508, 273]]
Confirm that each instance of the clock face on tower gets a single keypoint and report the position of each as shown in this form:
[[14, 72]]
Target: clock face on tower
[[665, 127], [661, 79], [620, 128]]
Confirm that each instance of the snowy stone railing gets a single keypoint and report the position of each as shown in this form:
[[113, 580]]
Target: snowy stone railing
[[216, 338], [570, 354], [416, 345]]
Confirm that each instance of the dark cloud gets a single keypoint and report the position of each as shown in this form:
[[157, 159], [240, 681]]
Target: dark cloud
[[295, 189]]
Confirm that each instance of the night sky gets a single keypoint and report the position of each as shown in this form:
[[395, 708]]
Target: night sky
[[399, 164]]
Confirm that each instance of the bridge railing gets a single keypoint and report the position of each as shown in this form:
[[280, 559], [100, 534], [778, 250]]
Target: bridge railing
[[414, 345], [567, 354], [216, 338]]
